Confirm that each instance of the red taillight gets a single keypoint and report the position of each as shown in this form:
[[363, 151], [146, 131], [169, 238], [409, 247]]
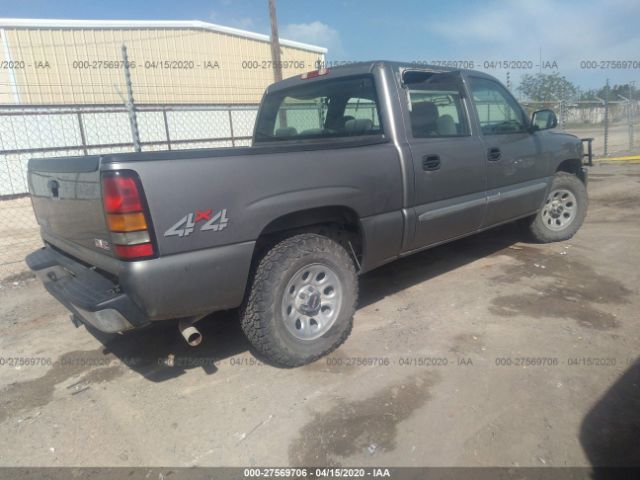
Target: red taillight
[[126, 218], [121, 194], [315, 73], [134, 251]]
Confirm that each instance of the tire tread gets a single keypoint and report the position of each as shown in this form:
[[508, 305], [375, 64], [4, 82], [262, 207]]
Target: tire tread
[[536, 228], [254, 312]]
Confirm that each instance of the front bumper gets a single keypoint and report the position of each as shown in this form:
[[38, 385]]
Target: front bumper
[[584, 175], [88, 294]]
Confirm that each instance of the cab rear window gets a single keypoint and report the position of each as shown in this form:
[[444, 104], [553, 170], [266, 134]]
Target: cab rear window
[[342, 107]]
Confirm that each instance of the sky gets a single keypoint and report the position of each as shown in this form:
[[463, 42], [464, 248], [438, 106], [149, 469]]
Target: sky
[[563, 34]]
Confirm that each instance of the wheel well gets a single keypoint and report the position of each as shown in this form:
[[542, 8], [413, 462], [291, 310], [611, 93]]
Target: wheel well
[[572, 165], [337, 222]]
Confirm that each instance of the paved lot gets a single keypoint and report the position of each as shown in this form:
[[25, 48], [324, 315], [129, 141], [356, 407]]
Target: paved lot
[[533, 354]]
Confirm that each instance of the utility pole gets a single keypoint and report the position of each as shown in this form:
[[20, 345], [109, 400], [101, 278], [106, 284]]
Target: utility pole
[[275, 55], [275, 42], [540, 60], [130, 104]]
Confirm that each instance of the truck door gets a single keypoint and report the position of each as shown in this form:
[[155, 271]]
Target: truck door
[[516, 181], [448, 161]]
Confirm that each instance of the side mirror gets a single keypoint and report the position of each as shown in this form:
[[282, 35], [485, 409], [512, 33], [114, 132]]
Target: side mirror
[[544, 120]]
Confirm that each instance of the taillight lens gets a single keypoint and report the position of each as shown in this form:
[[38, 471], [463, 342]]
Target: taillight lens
[[126, 218], [130, 252], [126, 222], [121, 194]]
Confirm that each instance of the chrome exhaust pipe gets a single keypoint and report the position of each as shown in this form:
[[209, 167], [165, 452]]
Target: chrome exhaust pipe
[[190, 333]]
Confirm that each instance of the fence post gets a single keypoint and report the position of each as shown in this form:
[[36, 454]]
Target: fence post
[[630, 122], [166, 127], [631, 117], [627, 107], [233, 140], [606, 118], [83, 137], [131, 109]]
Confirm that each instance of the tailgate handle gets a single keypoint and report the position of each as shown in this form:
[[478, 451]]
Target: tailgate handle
[[430, 162], [54, 186]]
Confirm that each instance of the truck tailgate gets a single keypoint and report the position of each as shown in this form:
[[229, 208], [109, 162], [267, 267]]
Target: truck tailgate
[[67, 200]]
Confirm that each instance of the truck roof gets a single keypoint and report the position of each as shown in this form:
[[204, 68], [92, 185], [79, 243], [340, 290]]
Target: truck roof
[[360, 68]]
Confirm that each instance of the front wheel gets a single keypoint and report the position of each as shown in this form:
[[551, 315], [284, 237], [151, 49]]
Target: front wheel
[[302, 299], [563, 212]]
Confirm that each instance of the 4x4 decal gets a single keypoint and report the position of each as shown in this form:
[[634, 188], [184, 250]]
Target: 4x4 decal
[[187, 224]]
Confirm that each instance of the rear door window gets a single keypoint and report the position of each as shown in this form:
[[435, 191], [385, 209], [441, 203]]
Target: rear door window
[[436, 106]]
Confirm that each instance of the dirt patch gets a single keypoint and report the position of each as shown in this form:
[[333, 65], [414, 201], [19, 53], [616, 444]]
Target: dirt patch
[[546, 305], [466, 343], [23, 396], [619, 200], [364, 426], [337, 362], [574, 289], [620, 217], [99, 375], [19, 277]]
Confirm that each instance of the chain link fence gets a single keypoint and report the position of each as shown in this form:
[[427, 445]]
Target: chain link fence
[[52, 131], [612, 124]]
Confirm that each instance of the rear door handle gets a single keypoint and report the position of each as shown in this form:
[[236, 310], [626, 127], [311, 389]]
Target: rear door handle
[[494, 154], [430, 162]]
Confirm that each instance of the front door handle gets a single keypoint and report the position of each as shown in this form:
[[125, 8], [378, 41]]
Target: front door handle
[[494, 154], [430, 162]]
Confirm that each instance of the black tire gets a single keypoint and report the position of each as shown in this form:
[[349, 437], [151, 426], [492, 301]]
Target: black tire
[[545, 226], [263, 313]]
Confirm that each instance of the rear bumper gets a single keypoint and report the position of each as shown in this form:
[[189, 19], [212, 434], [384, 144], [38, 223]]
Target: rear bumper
[[86, 293], [175, 286]]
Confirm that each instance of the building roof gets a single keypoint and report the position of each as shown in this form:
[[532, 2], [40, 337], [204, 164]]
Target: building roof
[[32, 23]]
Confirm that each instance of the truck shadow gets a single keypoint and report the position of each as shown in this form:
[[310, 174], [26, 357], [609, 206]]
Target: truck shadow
[[423, 266], [159, 353], [610, 432]]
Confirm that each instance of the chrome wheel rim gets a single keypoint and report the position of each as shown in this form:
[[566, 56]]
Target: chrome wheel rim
[[311, 301], [559, 210]]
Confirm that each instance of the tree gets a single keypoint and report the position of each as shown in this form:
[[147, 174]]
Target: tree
[[614, 92], [542, 87]]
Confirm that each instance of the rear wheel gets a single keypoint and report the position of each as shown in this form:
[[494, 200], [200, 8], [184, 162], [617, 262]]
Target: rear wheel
[[302, 300], [563, 212]]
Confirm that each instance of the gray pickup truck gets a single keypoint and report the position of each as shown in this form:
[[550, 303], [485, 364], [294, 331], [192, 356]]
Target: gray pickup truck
[[350, 168]]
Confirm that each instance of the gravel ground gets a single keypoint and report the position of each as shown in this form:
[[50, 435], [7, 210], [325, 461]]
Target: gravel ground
[[484, 352]]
